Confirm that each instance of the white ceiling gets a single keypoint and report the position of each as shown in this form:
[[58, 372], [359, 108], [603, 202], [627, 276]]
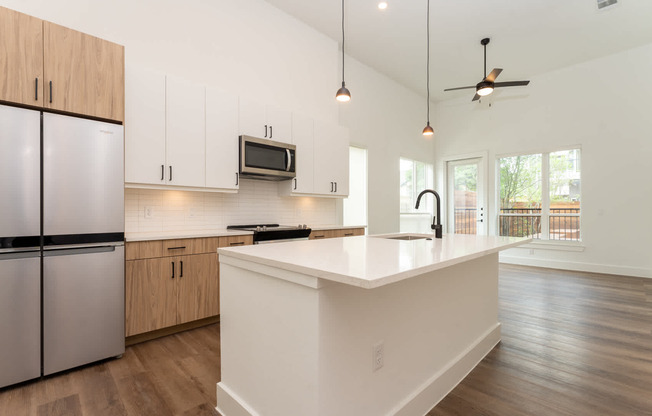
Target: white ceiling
[[528, 37]]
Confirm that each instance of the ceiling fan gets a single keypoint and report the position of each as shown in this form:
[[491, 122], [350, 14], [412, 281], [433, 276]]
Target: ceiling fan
[[487, 85]]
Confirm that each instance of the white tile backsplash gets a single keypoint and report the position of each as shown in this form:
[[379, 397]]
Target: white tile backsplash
[[255, 202]]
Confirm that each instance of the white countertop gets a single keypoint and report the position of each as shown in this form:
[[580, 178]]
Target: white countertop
[[371, 261], [173, 235]]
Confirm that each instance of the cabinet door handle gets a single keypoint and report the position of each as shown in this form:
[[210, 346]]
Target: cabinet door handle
[[237, 243], [176, 248], [348, 234], [335, 186], [265, 130], [50, 92], [295, 184], [181, 271], [162, 172], [332, 186], [36, 89], [320, 236], [170, 173], [237, 178], [173, 270], [271, 132]]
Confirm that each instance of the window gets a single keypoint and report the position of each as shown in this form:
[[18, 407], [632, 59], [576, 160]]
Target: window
[[355, 206], [540, 195], [415, 177]]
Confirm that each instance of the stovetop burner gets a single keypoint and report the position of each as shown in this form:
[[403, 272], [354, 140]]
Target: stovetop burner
[[273, 232]]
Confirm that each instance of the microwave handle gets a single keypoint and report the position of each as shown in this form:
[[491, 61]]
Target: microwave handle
[[287, 168]]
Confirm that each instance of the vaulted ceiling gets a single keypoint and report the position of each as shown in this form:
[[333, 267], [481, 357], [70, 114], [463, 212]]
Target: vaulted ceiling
[[528, 37]]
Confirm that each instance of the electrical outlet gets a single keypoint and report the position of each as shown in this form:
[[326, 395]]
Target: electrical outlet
[[149, 212], [378, 355]]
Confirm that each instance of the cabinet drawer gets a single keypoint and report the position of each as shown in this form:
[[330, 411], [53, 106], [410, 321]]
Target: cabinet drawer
[[190, 246], [143, 250], [238, 240], [321, 234]]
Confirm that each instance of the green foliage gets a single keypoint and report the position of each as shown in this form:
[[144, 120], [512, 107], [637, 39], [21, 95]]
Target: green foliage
[[466, 177], [520, 181]]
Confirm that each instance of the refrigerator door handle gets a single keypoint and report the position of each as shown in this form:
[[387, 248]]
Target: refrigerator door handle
[[70, 251], [9, 255]]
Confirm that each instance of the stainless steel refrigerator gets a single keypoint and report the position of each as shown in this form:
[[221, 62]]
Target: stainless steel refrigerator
[[61, 243]]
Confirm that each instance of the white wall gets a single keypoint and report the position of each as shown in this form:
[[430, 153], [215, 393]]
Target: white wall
[[252, 49], [601, 105], [387, 119]]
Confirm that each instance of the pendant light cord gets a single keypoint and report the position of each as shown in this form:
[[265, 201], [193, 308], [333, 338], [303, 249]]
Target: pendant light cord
[[342, 41], [428, 60]]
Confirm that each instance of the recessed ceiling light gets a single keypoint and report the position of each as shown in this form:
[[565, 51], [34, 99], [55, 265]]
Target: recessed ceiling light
[[382, 5]]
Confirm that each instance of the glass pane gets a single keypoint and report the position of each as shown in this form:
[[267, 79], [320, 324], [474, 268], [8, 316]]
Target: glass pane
[[355, 206], [407, 185], [465, 178], [565, 182], [520, 196], [565, 228]]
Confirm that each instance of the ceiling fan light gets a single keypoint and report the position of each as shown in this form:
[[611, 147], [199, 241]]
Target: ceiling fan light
[[343, 94], [484, 88], [428, 131]]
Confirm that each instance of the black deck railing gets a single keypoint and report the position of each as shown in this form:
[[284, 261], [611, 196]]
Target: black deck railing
[[564, 223]]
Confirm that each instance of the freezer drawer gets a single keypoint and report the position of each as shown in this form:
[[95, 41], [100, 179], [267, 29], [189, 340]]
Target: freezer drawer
[[20, 317], [83, 306], [83, 176], [20, 155]]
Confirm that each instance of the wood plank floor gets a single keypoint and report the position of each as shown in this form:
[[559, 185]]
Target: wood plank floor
[[573, 344]]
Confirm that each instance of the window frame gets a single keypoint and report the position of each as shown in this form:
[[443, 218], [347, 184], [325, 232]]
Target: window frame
[[545, 214], [427, 206]]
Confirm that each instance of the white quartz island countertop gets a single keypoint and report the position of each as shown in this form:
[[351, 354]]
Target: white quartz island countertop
[[372, 261]]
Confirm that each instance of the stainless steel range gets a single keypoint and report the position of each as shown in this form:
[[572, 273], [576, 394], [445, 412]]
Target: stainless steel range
[[274, 233]]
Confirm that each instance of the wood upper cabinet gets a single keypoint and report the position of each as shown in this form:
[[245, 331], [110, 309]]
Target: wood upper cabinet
[[83, 74], [21, 58]]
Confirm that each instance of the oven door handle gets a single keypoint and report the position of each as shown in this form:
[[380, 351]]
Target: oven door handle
[[289, 154]]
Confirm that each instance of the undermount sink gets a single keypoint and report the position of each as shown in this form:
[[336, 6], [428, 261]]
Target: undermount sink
[[406, 237]]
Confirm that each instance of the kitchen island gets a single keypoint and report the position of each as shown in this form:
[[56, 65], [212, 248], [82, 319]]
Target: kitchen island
[[365, 325]]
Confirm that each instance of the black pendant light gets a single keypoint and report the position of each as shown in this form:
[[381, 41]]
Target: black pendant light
[[343, 93], [428, 131]]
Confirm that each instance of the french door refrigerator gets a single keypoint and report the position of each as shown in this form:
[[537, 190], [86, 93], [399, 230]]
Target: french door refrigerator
[[61, 187]]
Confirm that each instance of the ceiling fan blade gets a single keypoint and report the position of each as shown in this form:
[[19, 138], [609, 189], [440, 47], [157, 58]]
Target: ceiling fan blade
[[511, 84], [476, 97], [459, 88], [493, 74]]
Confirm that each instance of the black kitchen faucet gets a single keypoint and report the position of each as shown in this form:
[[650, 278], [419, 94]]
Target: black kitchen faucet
[[437, 226]]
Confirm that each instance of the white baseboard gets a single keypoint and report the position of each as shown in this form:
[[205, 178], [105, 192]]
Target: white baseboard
[[230, 404], [577, 266], [444, 381]]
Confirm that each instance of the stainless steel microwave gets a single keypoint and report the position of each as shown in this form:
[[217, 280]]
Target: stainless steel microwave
[[266, 159]]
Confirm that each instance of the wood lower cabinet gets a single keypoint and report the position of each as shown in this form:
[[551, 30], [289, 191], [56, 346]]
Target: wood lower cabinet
[[21, 55], [342, 232], [173, 282]]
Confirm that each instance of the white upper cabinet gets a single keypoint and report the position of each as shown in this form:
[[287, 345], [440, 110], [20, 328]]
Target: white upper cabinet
[[331, 161], [186, 133], [303, 138], [265, 122], [279, 123], [144, 126], [221, 140]]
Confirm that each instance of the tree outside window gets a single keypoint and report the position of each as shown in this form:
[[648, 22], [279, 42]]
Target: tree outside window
[[543, 209]]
